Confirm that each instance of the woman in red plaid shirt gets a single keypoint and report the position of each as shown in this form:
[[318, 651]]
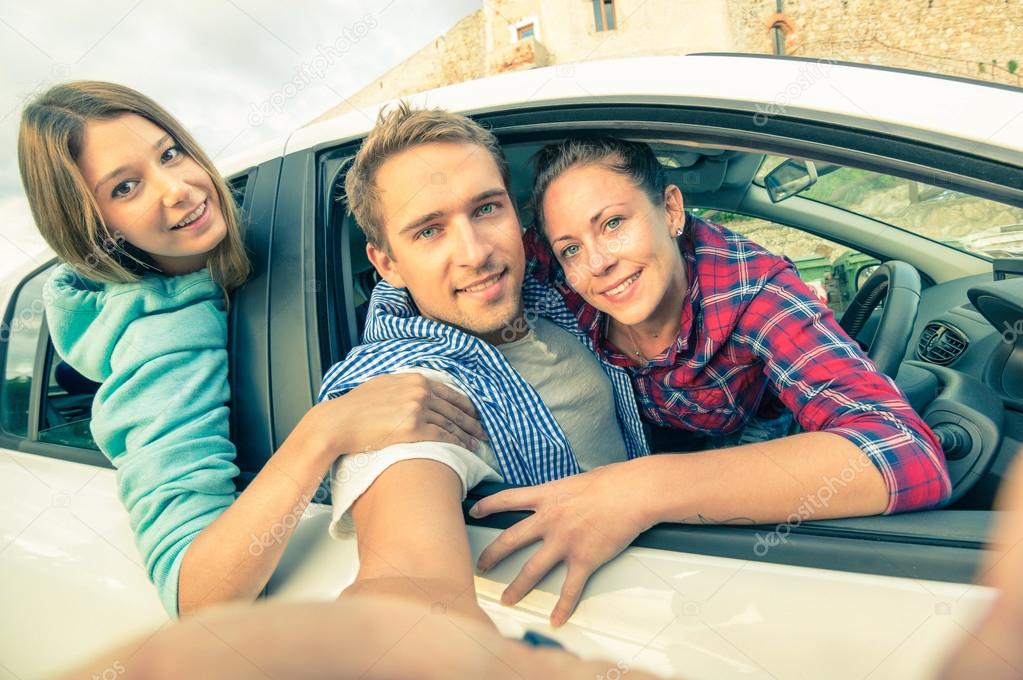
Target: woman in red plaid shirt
[[725, 345]]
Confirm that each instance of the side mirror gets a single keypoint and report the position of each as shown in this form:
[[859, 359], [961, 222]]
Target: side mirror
[[789, 178], [863, 273]]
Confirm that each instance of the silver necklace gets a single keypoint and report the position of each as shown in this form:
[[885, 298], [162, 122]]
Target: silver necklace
[[636, 351]]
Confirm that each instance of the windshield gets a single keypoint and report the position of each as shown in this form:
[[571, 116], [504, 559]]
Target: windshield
[[973, 225]]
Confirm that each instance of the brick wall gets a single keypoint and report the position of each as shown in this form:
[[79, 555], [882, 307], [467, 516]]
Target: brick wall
[[974, 38]]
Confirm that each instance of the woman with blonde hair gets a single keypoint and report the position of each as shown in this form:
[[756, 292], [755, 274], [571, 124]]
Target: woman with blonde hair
[[151, 247]]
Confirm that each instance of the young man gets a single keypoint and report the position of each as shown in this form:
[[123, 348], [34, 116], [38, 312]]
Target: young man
[[430, 190]]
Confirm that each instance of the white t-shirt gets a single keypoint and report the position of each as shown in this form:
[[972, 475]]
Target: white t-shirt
[[564, 373]]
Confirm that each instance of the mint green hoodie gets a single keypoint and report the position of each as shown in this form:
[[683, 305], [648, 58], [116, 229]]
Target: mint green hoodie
[[159, 348]]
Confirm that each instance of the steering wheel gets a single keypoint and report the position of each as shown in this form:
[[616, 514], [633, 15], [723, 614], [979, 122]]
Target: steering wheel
[[897, 283]]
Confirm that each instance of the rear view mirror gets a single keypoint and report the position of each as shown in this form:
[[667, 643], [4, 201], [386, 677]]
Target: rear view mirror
[[789, 178]]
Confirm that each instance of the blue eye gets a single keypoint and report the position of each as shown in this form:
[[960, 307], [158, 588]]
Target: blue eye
[[569, 251], [486, 209], [613, 223], [426, 233], [123, 189], [171, 153]]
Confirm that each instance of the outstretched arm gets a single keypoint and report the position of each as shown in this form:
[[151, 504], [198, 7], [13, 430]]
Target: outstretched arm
[[359, 637], [824, 378], [412, 539]]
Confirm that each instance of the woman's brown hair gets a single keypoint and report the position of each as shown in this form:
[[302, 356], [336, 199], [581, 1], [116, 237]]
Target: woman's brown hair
[[65, 211]]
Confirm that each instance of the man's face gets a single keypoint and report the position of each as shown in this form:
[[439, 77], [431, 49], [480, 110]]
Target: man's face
[[455, 239]]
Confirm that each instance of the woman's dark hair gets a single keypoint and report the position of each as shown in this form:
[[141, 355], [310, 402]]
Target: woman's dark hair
[[634, 160]]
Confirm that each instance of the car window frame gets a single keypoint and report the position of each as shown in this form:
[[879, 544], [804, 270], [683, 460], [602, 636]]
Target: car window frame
[[9, 439], [821, 544], [911, 156], [250, 406], [30, 442]]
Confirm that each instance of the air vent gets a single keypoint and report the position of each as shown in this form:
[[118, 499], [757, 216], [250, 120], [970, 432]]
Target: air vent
[[941, 344]]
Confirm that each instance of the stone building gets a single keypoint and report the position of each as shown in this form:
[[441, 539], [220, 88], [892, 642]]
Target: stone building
[[973, 38], [980, 39]]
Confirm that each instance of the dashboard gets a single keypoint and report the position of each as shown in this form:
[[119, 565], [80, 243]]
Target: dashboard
[[975, 326]]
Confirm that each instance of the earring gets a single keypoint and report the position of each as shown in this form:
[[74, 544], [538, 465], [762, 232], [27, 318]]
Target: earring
[[679, 232]]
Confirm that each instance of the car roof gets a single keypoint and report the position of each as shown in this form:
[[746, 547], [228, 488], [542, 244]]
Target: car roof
[[987, 113], [956, 107]]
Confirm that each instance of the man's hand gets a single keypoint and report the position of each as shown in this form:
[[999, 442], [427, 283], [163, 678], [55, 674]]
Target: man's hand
[[394, 409], [584, 521]]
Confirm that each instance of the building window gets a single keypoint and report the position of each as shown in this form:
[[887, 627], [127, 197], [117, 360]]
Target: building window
[[528, 27], [604, 14]]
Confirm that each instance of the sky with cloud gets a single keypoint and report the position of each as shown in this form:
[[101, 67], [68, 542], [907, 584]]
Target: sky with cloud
[[215, 64]]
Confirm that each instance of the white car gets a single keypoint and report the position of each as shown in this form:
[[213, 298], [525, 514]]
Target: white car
[[840, 167]]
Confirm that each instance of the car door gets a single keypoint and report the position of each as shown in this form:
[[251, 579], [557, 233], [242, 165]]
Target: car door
[[884, 595], [74, 582]]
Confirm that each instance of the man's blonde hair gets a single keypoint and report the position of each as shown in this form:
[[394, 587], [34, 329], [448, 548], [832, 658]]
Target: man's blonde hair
[[398, 130], [64, 208]]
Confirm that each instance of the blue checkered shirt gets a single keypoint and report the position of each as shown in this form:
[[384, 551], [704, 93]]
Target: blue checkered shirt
[[528, 443]]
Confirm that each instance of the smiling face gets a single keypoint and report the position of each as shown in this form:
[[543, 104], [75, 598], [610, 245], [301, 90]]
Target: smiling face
[[617, 248], [151, 193], [454, 238]]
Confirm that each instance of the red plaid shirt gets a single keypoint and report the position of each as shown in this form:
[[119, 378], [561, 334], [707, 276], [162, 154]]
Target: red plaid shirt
[[751, 328]]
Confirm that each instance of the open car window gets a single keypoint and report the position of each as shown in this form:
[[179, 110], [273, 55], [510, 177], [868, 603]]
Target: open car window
[[934, 210], [43, 399], [66, 410], [21, 331], [715, 175]]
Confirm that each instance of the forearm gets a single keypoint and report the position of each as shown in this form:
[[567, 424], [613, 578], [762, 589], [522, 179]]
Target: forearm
[[830, 385], [364, 638], [235, 555], [814, 475], [412, 539]]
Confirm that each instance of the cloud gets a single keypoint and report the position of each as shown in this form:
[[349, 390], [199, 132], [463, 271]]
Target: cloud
[[20, 242], [208, 63]]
